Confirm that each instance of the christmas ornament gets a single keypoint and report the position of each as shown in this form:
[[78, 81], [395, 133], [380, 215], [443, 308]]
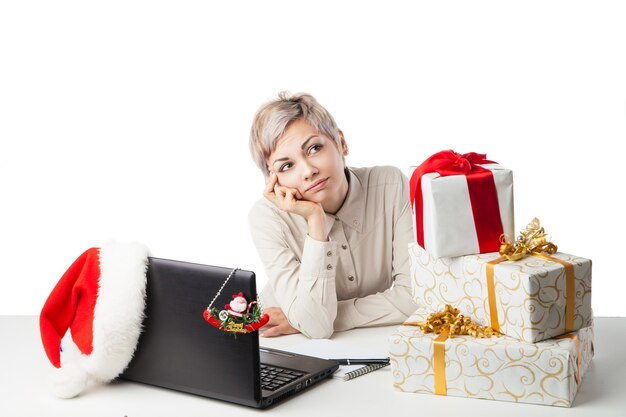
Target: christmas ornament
[[238, 316]]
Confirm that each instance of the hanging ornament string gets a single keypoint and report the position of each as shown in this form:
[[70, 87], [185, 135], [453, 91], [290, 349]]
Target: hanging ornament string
[[222, 287], [238, 316]]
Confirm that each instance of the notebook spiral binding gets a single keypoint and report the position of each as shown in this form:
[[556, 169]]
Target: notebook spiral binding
[[362, 371]]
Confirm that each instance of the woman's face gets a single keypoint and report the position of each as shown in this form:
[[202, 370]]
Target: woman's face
[[311, 163]]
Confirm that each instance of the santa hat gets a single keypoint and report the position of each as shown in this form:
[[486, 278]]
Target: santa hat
[[101, 300]]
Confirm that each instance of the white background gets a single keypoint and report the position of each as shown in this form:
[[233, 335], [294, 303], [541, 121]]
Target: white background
[[129, 120]]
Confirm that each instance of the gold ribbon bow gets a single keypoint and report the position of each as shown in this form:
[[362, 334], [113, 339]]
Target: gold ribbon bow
[[532, 241], [451, 321], [448, 323]]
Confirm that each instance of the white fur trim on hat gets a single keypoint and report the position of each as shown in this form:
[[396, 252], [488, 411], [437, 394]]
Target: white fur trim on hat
[[70, 379]]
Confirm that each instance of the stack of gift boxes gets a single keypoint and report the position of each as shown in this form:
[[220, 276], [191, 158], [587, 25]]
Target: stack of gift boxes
[[537, 303]]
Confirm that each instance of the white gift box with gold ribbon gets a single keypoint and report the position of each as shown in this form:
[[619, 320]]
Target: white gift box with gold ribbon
[[531, 299], [496, 368]]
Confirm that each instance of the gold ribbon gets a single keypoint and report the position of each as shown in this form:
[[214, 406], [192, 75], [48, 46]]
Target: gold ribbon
[[448, 323], [574, 337], [532, 241], [491, 292], [439, 363]]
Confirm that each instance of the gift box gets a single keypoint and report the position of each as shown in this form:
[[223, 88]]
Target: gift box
[[496, 368], [531, 299], [462, 204]]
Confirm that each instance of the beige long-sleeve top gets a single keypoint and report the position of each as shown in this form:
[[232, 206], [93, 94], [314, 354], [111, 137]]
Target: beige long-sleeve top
[[360, 277]]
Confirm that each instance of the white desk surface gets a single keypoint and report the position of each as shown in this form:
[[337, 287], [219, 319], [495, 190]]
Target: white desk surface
[[23, 389]]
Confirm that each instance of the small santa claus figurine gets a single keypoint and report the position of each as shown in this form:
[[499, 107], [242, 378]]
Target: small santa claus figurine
[[237, 306]]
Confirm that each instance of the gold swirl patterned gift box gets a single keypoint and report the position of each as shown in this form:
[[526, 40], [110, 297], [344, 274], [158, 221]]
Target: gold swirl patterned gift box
[[496, 368], [532, 299]]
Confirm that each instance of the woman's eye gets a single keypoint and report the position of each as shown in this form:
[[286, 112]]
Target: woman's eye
[[285, 167], [314, 149]]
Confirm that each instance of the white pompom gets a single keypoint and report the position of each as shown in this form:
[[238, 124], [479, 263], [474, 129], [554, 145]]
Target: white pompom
[[68, 381]]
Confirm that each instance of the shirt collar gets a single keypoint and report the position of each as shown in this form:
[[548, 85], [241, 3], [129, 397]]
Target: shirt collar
[[352, 211]]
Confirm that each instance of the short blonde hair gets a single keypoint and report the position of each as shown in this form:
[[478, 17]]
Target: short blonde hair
[[274, 117]]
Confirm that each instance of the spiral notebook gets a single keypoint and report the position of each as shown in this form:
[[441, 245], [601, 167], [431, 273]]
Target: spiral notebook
[[329, 349], [364, 369]]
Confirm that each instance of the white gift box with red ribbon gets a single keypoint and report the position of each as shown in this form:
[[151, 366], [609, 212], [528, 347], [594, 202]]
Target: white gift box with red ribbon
[[465, 207]]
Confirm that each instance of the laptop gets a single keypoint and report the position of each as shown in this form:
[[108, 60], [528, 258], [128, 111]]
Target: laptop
[[180, 350]]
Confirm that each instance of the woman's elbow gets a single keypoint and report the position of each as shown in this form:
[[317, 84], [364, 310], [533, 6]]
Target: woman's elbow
[[320, 332], [317, 323], [319, 329]]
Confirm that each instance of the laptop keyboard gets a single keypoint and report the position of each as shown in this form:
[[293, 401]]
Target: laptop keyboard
[[273, 378]]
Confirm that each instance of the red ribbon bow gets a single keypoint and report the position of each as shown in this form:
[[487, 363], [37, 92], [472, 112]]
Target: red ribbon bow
[[482, 191]]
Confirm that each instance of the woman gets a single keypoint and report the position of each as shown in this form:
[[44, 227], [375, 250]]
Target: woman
[[333, 239]]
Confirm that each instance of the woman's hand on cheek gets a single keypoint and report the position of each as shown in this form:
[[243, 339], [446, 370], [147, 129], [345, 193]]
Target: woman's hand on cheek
[[290, 199]]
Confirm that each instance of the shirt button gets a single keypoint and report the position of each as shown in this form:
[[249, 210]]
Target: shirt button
[[329, 253], [344, 247], [351, 278], [329, 267], [355, 222]]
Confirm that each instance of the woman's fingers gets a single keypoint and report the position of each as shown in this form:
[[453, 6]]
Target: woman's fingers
[[287, 199], [283, 197], [271, 332], [278, 323], [290, 197], [269, 188], [276, 315]]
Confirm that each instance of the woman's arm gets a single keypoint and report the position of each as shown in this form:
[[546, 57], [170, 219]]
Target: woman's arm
[[303, 283]]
